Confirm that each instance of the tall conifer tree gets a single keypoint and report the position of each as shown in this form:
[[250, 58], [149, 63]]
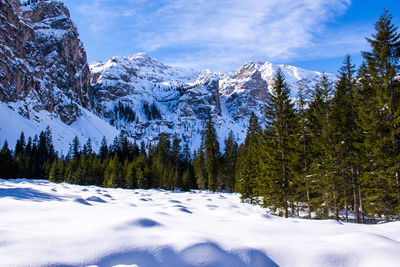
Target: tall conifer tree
[[303, 190], [229, 163], [343, 119], [279, 146], [212, 154], [248, 167], [381, 179]]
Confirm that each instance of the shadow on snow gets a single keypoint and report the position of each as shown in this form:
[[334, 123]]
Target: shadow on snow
[[203, 254], [27, 194]]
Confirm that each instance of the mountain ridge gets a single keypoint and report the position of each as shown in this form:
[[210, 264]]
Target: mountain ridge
[[187, 98], [52, 84]]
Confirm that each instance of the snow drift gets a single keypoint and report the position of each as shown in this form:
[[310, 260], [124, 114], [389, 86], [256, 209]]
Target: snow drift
[[47, 224]]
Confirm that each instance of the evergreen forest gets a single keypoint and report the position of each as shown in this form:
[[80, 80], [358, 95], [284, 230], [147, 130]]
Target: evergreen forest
[[333, 151]]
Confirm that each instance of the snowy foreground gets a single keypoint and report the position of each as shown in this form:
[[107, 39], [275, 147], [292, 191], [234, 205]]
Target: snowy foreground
[[47, 224]]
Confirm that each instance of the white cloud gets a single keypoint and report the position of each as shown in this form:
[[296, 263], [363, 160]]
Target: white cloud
[[220, 34], [101, 16]]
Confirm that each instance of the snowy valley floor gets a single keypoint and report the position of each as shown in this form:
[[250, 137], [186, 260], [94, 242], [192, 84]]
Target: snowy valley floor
[[47, 224]]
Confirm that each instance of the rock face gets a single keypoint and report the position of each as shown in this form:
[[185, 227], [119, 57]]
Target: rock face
[[160, 97], [184, 99], [43, 64]]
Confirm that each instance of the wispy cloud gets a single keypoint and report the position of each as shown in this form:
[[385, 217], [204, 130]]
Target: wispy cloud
[[347, 40], [103, 17], [221, 34]]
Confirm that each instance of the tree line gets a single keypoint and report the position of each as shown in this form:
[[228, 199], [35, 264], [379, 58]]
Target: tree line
[[123, 164], [338, 149], [332, 152]]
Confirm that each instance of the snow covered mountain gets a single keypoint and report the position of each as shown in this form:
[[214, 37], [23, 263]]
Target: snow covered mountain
[[178, 101], [45, 80], [43, 60], [44, 76]]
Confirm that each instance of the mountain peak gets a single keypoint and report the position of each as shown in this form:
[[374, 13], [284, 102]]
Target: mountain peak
[[143, 57], [140, 55]]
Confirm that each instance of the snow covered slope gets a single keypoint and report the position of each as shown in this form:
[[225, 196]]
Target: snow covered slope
[[184, 99], [88, 125], [47, 224]]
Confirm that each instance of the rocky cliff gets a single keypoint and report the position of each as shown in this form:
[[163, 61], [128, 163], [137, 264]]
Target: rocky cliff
[[43, 63]]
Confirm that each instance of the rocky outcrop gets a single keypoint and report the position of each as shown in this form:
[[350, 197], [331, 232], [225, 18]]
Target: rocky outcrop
[[201, 101], [15, 40], [245, 91], [42, 61]]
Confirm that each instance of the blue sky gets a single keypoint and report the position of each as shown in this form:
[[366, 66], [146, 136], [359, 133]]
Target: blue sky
[[221, 35]]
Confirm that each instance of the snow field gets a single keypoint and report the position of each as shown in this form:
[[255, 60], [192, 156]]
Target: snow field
[[48, 224]]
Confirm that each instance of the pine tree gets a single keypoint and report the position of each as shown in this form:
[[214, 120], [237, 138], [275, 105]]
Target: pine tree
[[380, 120], [122, 147], [20, 145], [161, 162], [187, 157], [366, 99], [27, 162], [103, 153], [44, 154], [96, 176], [186, 180], [229, 163], [130, 175], [323, 188], [247, 167], [344, 130], [176, 151], [279, 147], [114, 175], [75, 149], [143, 174], [303, 190], [142, 150], [87, 149], [6, 162], [79, 174], [212, 155], [56, 173], [135, 151], [20, 156], [199, 166]]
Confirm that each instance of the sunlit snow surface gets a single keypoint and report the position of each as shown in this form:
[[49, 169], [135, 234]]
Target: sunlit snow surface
[[47, 224], [87, 125]]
